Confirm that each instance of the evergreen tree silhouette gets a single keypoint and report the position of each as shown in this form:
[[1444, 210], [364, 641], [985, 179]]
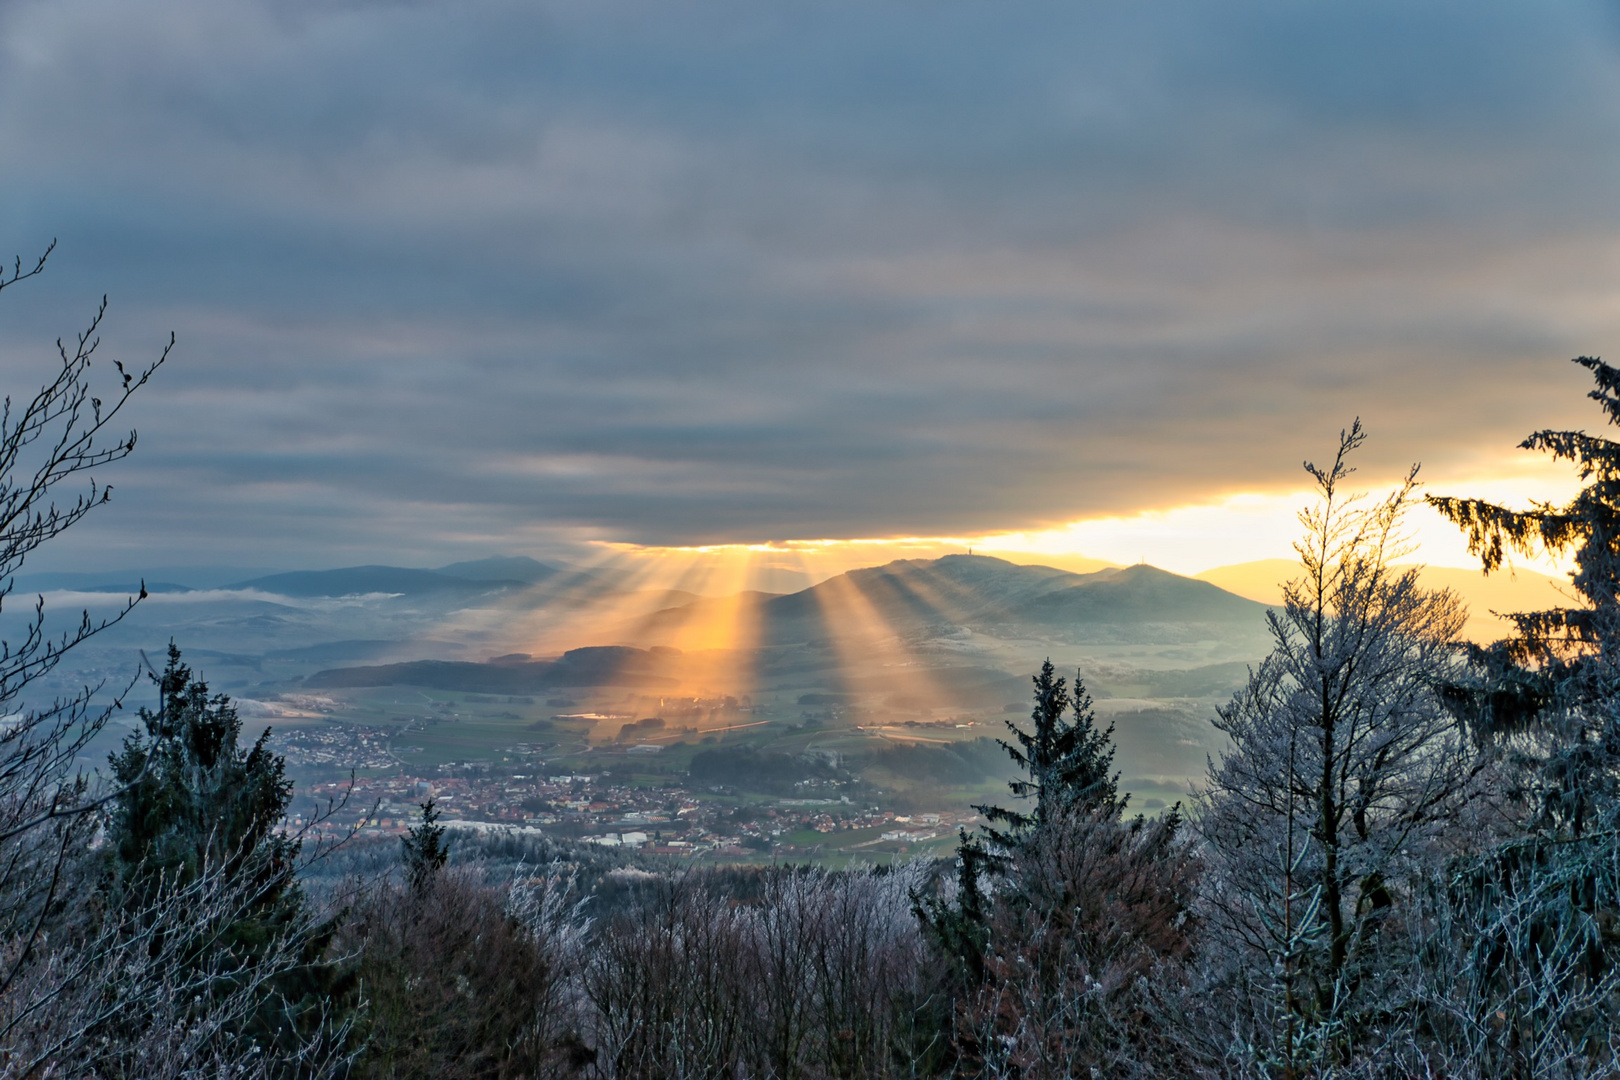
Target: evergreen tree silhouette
[[424, 849], [1066, 762]]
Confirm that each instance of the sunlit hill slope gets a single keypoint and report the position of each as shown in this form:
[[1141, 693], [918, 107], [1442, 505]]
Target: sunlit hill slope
[[1137, 603]]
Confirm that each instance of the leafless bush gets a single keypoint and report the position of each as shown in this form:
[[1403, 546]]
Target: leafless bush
[[1515, 973], [59, 436], [821, 976], [668, 988], [840, 954], [1504, 973], [156, 992]]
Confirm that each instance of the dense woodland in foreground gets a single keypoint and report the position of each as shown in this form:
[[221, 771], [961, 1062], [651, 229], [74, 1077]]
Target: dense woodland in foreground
[[1404, 865]]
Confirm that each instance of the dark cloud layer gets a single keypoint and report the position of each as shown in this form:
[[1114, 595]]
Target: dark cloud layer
[[458, 277]]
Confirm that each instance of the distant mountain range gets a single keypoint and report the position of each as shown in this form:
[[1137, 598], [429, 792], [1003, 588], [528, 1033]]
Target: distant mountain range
[[1503, 591], [502, 568], [615, 665], [361, 580], [482, 575], [1136, 603], [978, 591], [479, 575]]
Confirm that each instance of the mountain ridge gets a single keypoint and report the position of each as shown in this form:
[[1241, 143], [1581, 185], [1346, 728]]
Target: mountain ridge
[[371, 578], [971, 590], [906, 600]]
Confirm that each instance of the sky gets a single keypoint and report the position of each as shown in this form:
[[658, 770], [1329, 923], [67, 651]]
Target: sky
[[601, 276]]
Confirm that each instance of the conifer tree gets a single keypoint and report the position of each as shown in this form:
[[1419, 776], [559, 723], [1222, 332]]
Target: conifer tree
[[1061, 906], [1065, 762], [1558, 674], [193, 799], [194, 803], [1533, 914], [424, 849], [960, 930]]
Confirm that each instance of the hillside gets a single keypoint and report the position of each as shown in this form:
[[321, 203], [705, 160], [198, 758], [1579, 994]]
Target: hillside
[[501, 568], [591, 666], [1137, 602]]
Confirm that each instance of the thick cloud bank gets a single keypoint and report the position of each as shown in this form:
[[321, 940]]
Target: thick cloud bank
[[457, 277]]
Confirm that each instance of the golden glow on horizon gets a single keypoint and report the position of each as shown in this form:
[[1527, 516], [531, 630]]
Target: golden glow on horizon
[[1234, 528], [702, 599]]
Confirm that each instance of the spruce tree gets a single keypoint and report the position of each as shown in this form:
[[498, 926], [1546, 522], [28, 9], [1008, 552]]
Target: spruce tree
[[195, 803], [960, 930], [424, 849], [193, 799], [1557, 676], [1539, 906], [1065, 762]]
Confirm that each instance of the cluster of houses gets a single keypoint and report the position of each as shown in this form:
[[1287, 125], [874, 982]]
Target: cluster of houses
[[596, 808]]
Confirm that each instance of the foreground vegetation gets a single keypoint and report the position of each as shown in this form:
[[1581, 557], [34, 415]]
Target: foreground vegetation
[[1405, 864]]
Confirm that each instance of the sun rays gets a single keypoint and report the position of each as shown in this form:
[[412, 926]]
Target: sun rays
[[715, 608]]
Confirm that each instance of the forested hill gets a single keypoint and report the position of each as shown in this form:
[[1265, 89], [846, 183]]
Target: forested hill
[[591, 666], [900, 599], [984, 592]]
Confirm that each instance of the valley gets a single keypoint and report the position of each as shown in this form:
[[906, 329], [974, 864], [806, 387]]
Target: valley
[[852, 719]]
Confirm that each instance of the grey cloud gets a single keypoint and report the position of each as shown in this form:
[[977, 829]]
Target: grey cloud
[[698, 271]]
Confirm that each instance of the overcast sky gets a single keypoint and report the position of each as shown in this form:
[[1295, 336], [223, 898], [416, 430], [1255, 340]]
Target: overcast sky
[[464, 277]]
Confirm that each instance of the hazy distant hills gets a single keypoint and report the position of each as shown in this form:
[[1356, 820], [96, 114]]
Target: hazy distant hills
[[901, 599], [502, 568], [978, 591], [361, 580], [1140, 595], [479, 575], [955, 588], [914, 652], [1136, 603], [1503, 591], [172, 578], [975, 624], [482, 575], [615, 665]]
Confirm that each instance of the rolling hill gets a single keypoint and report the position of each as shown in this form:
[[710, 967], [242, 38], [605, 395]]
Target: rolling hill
[[613, 665], [364, 580], [501, 568], [976, 591]]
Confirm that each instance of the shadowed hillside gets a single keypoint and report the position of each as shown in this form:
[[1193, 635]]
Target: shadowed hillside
[[592, 666]]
